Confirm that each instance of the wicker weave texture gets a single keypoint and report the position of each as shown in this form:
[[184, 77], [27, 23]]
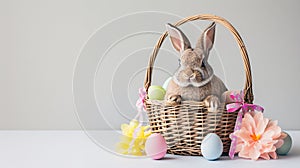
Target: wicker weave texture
[[184, 126]]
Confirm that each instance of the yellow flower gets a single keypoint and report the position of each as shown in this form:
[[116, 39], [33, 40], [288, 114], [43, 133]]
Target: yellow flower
[[133, 138]]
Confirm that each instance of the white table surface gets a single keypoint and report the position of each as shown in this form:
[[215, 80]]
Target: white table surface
[[74, 149]]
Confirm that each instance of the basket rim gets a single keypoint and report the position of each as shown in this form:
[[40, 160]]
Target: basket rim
[[248, 91]]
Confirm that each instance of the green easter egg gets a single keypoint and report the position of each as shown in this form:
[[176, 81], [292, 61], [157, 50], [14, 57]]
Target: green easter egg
[[286, 147], [156, 93], [166, 83]]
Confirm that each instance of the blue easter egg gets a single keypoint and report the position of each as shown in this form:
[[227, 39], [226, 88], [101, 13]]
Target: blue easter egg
[[286, 147], [212, 147]]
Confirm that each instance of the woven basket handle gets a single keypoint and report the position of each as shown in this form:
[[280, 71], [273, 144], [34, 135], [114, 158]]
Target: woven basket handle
[[248, 93]]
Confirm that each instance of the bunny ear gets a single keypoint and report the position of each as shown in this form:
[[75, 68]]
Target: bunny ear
[[179, 40], [207, 39]]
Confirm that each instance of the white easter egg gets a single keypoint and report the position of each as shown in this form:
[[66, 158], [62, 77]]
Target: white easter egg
[[211, 147], [166, 83]]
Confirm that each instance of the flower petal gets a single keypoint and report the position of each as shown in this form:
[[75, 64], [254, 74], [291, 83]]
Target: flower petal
[[273, 126], [261, 126], [243, 134], [248, 123], [267, 136], [283, 135], [254, 154], [265, 156], [279, 143], [273, 155], [244, 153]]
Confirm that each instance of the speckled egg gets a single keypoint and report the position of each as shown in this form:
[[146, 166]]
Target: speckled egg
[[212, 147], [156, 146], [286, 147]]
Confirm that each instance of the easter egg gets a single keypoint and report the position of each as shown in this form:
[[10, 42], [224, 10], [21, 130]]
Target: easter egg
[[156, 146], [286, 147], [166, 83], [211, 147], [156, 93]]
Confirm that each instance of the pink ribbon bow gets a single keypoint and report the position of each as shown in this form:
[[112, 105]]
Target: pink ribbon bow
[[242, 107], [140, 103]]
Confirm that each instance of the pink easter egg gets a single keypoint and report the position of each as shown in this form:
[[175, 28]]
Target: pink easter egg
[[156, 146]]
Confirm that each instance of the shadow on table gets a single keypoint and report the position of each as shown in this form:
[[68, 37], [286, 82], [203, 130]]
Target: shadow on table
[[168, 158], [294, 153]]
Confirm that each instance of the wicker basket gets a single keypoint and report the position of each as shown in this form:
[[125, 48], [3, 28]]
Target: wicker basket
[[184, 126]]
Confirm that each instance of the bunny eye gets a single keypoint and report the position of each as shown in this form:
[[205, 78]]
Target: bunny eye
[[202, 64]]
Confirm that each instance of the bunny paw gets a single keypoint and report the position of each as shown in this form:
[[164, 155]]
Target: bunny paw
[[212, 103], [173, 100]]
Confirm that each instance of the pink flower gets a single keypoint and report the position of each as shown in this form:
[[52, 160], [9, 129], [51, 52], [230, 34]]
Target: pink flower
[[258, 137], [140, 103]]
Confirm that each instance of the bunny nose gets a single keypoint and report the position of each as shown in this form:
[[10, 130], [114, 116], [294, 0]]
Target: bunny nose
[[189, 74]]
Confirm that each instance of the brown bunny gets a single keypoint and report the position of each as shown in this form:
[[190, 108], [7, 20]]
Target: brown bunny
[[194, 79]]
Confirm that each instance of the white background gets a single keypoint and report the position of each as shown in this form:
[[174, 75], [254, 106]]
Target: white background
[[40, 41]]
